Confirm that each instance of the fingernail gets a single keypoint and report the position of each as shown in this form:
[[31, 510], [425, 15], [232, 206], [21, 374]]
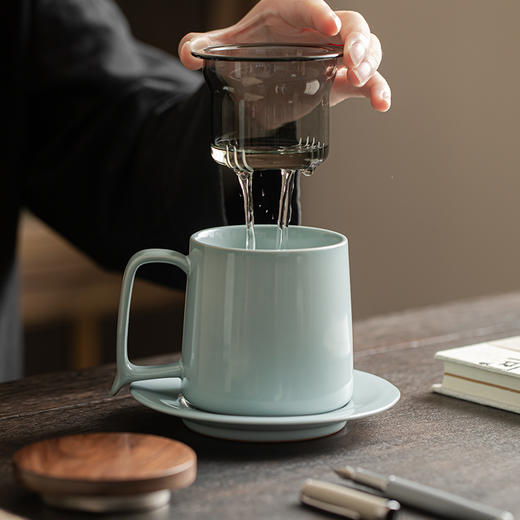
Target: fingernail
[[385, 94], [363, 72], [357, 52], [337, 21]]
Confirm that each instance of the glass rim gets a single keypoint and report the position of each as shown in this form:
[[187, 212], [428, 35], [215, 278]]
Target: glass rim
[[329, 51]]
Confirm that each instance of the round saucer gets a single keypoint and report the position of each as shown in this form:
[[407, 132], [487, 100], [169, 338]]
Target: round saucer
[[372, 394]]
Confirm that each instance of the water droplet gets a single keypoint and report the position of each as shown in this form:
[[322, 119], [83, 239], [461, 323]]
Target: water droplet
[[308, 172]]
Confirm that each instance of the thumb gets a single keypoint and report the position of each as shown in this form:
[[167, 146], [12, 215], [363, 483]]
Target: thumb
[[194, 42], [197, 41]]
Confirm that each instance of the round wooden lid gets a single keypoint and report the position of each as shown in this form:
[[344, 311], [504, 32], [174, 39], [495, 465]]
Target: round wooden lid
[[105, 464]]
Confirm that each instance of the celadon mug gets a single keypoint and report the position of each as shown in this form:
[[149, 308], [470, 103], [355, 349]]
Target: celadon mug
[[267, 332]]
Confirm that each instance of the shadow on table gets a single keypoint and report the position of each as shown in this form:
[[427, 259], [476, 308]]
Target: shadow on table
[[208, 448], [29, 505], [461, 408]]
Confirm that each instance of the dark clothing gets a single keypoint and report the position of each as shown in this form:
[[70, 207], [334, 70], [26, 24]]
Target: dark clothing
[[108, 144]]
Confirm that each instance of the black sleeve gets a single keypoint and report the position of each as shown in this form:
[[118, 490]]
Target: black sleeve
[[117, 149], [117, 152]]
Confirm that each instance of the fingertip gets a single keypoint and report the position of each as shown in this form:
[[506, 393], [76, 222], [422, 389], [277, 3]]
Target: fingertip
[[337, 24], [353, 77], [383, 108], [185, 54], [188, 60], [329, 25], [356, 48], [381, 100], [326, 21], [195, 63]]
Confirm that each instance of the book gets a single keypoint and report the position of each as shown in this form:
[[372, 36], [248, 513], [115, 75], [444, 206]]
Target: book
[[486, 373]]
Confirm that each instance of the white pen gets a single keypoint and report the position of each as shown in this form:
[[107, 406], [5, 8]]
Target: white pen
[[345, 501], [424, 497]]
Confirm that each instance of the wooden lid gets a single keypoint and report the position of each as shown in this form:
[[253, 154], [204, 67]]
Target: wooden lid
[[105, 464]]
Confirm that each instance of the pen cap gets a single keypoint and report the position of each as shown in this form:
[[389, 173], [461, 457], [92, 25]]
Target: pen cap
[[354, 503]]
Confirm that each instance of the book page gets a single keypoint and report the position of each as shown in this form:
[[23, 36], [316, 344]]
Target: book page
[[487, 356], [509, 343]]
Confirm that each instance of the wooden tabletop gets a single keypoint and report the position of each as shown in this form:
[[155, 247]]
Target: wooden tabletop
[[463, 447]]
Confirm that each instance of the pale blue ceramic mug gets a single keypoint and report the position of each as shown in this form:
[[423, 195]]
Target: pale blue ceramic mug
[[266, 331]]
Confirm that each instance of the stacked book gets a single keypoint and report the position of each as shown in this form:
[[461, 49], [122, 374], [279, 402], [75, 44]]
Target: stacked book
[[486, 373]]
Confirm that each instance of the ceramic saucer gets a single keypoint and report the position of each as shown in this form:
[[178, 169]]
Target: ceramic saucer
[[372, 395]]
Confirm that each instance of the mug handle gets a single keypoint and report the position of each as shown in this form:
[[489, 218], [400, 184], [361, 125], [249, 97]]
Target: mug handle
[[126, 371]]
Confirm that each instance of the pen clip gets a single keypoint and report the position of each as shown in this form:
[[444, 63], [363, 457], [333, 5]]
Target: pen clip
[[330, 508]]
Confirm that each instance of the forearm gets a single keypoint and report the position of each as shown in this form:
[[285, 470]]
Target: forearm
[[117, 156]]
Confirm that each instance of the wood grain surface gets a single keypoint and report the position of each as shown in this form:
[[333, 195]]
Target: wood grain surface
[[463, 447], [105, 463]]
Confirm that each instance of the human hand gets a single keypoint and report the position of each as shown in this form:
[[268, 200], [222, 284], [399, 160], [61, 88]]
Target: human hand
[[307, 21]]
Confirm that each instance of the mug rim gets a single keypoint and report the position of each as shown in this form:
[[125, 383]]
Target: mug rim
[[343, 240]]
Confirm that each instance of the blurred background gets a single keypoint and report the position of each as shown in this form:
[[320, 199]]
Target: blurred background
[[427, 193]]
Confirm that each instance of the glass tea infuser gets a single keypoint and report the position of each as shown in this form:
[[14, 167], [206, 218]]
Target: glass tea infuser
[[270, 111]]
